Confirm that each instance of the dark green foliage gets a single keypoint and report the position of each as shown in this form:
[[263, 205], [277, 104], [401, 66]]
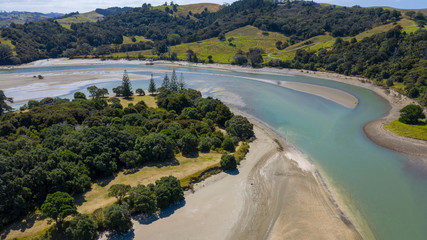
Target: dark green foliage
[[152, 86], [168, 191], [62, 145], [142, 200], [130, 159], [205, 145], [127, 86], [82, 227], [79, 95], [118, 191], [3, 105], [188, 144], [117, 218], [140, 92], [228, 144], [58, 206], [154, 147], [239, 127], [411, 113], [393, 55], [228, 162], [93, 91]]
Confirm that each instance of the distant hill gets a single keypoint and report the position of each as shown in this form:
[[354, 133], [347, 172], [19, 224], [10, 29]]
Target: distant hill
[[6, 18]]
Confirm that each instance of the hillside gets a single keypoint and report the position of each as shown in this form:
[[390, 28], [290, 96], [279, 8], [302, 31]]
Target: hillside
[[6, 18], [277, 32]]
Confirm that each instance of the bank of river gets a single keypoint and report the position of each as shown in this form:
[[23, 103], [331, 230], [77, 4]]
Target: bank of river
[[384, 190]]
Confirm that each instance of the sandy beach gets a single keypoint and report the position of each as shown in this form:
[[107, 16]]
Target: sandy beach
[[276, 194]]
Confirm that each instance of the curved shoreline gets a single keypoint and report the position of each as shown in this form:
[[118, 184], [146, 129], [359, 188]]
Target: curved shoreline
[[375, 129]]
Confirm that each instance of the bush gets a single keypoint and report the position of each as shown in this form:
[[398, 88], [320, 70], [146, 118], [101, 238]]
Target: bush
[[82, 227], [240, 127], [154, 147], [228, 162], [142, 200], [228, 144], [188, 144], [117, 218], [168, 191], [205, 145], [411, 113]]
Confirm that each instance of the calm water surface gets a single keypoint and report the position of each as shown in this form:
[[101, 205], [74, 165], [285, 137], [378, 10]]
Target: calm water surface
[[378, 185]]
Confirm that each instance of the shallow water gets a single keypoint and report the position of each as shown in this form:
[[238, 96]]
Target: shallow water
[[378, 185]]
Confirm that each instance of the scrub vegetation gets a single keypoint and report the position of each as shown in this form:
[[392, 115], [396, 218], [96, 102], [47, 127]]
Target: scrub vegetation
[[57, 148]]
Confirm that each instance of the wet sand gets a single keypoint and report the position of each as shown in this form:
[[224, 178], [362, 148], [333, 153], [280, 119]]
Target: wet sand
[[270, 197]]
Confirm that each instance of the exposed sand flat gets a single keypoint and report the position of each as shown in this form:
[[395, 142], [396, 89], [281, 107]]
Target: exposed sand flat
[[271, 197], [332, 94]]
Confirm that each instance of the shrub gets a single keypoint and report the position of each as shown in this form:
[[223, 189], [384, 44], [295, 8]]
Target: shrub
[[82, 227], [228, 144], [228, 162], [117, 218], [411, 113]]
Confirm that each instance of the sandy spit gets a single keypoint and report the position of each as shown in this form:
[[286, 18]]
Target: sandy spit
[[271, 196]]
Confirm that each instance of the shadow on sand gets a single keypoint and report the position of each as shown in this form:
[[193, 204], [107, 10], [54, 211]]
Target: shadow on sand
[[21, 226], [146, 220]]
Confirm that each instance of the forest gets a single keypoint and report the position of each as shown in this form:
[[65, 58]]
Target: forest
[[61, 145]]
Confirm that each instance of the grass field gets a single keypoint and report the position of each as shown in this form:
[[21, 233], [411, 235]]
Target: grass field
[[413, 131], [183, 10], [66, 22], [243, 38], [180, 168], [127, 40], [148, 99]]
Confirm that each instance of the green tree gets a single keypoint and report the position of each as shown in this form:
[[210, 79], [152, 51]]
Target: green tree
[[142, 200], [58, 206], [3, 105], [168, 191], [174, 81], [93, 91], [154, 147], [117, 218], [255, 56], [140, 92], [5, 54], [228, 162], [118, 191], [79, 95], [411, 113], [166, 82], [152, 86], [82, 227], [118, 91], [240, 127], [228, 144], [127, 86], [102, 92], [188, 144]]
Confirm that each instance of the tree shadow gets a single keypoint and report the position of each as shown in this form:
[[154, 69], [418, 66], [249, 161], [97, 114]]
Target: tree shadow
[[24, 224], [172, 162], [232, 172], [116, 236], [146, 220], [192, 155]]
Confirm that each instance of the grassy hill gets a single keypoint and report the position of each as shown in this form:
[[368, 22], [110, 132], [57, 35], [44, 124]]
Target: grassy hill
[[6, 18]]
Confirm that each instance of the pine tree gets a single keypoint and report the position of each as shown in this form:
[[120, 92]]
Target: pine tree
[[181, 84], [174, 81], [127, 86], [166, 82], [152, 86]]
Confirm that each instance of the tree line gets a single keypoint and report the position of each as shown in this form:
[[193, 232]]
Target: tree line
[[64, 145]]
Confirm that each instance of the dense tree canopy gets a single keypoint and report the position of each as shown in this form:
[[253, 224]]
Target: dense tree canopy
[[62, 145], [411, 114], [58, 206]]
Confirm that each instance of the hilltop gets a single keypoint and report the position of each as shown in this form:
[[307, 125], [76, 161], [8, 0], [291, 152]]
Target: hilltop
[[6, 18]]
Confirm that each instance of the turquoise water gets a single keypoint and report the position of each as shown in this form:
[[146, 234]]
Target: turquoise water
[[387, 190]]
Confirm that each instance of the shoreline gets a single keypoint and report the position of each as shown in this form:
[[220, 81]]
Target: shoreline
[[374, 130]]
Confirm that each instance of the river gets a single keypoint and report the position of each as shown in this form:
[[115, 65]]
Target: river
[[377, 185]]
